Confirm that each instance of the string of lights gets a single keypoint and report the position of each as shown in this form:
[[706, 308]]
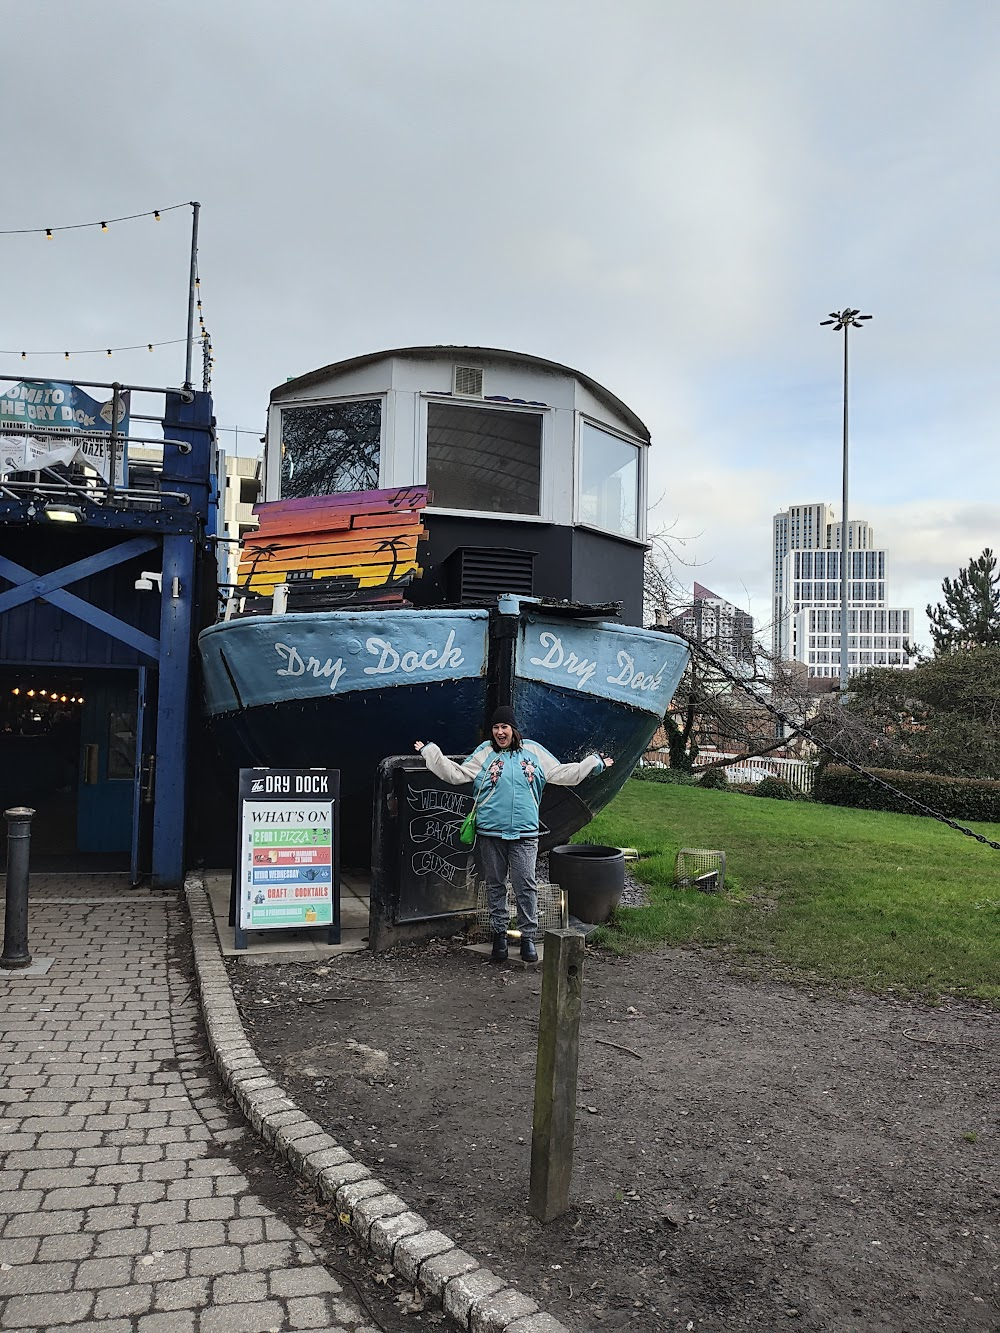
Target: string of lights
[[103, 224], [208, 357], [94, 351], [52, 695], [207, 351]]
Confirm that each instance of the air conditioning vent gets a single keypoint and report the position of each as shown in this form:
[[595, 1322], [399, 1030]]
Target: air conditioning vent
[[484, 573], [468, 382]]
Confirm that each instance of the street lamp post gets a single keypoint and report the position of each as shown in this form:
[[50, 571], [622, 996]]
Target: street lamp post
[[844, 319]]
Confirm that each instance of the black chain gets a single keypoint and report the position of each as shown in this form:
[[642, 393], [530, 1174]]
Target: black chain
[[718, 665]]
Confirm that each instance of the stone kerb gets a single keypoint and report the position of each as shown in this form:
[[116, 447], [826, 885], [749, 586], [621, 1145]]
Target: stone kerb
[[475, 1299]]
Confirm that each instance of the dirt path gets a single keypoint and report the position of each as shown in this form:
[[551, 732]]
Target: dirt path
[[771, 1157]]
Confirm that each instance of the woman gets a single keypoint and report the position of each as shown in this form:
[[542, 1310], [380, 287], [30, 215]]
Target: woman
[[508, 775]]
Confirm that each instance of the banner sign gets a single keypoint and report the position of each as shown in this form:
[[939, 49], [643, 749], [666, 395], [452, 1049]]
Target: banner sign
[[301, 656], [632, 666], [289, 858], [46, 422]]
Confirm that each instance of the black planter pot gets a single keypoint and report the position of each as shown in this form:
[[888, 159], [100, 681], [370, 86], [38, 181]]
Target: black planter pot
[[593, 877]]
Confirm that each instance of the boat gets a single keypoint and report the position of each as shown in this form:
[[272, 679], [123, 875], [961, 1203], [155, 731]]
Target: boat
[[504, 565]]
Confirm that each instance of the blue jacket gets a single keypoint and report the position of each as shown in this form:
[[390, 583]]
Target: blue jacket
[[508, 784]]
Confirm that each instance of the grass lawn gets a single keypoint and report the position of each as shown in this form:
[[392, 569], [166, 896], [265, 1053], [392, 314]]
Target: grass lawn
[[888, 902]]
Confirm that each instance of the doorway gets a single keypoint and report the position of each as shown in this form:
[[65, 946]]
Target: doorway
[[74, 747]]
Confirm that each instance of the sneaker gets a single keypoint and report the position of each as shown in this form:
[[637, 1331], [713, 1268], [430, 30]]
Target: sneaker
[[529, 954], [499, 954]]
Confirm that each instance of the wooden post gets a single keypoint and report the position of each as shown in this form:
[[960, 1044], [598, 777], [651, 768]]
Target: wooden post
[[554, 1122]]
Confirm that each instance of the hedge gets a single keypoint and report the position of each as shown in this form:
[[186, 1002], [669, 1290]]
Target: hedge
[[654, 773], [777, 789], [958, 798]]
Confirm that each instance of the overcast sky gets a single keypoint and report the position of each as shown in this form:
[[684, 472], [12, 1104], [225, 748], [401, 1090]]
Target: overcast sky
[[667, 196]]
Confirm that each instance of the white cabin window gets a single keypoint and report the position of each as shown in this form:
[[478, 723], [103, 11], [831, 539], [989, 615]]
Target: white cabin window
[[330, 447], [484, 459], [609, 486]]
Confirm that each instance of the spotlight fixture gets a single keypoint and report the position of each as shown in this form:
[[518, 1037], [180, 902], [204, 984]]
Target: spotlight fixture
[[62, 513]]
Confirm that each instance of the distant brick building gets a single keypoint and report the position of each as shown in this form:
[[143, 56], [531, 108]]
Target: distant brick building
[[719, 625]]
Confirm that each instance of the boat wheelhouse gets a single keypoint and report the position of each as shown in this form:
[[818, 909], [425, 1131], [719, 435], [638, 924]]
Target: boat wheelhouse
[[444, 529]]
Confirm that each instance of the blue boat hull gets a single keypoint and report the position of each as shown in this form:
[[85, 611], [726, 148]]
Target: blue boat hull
[[345, 690], [571, 725]]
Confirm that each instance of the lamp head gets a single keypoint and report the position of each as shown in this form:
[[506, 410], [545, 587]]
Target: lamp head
[[62, 513]]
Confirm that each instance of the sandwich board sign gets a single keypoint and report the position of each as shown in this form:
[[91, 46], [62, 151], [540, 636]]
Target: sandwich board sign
[[288, 861]]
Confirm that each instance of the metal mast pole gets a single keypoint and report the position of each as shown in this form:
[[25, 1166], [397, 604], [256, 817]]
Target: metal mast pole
[[192, 287], [844, 623], [844, 319]]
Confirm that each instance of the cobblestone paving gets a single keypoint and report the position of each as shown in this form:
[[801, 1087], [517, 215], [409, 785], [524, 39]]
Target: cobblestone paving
[[120, 1207]]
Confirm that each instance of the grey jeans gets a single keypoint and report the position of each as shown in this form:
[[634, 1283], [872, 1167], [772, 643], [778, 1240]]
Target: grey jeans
[[497, 860]]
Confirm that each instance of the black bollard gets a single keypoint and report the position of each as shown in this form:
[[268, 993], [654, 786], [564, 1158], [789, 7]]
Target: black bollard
[[15, 926]]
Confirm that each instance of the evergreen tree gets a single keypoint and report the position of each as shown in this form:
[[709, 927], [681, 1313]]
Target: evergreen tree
[[969, 616]]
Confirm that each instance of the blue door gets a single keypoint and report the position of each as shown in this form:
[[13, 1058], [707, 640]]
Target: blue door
[[108, 757]]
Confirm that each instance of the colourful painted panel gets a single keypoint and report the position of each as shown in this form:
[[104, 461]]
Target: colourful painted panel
[[358, 547]]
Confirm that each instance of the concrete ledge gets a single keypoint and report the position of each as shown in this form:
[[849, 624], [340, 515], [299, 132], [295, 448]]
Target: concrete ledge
[[412, 1251], [475, 1299], [501, 1310], [387, 1232], [468, 1290], [437, 1272]]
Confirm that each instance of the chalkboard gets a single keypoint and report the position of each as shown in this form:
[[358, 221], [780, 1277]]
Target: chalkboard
[[434, 868]]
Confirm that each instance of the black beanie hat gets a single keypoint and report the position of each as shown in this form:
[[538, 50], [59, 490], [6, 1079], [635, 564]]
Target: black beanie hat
[[505, 716]]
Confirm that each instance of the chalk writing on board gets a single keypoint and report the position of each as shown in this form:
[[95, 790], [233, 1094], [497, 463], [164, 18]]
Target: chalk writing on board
[[432, 829], [433, 798], [430, 863], [433, 835]]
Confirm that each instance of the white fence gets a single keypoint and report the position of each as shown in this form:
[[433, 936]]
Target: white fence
[[800, 773]]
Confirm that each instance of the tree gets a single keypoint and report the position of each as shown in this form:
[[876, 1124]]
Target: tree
[[712, 706], [969, 616], [716, 707], [942, 717]]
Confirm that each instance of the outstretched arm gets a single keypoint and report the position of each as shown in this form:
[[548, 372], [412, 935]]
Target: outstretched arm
[[446, 768], [567, 775]]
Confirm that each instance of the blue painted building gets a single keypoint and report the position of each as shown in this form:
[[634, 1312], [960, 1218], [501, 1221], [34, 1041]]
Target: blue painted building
[[107, 572]]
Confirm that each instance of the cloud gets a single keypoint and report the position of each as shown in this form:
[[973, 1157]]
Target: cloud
[[667, 197]]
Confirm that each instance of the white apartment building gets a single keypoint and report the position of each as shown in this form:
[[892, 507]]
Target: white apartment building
[[239, 490], [806, 595]]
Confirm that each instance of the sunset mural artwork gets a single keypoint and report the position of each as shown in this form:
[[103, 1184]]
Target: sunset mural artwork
[[356, 548]]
